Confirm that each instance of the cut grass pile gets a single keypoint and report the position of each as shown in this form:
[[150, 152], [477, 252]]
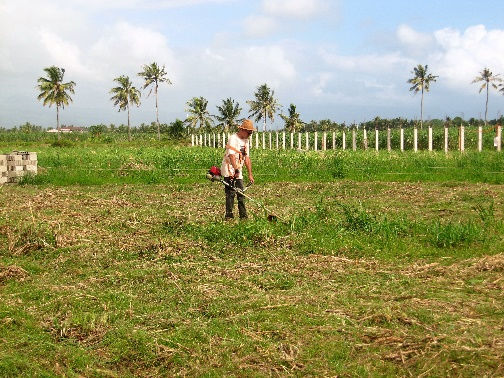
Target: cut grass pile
[[362, 278]]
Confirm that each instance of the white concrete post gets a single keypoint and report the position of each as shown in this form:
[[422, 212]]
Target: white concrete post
[[307, 141], [446, 139], [343, 140], [276, 137], [462, 138], [430, 138], [315, 147], [401, 137], [354, 140], [264, 140], [257, 140], [292, 141], [376, 139], [499, 137], [333, 140], [269, 139], [389, 143], [365, 139], [324, 141], [218, 140], [283, 140], [192, 140], [480, 138], [415, 139], [204, 140], [201, 140], [299, 141]]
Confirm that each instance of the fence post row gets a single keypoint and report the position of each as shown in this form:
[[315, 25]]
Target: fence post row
[[214, 140]]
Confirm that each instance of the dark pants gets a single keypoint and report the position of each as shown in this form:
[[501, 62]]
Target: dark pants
[[230, 195]]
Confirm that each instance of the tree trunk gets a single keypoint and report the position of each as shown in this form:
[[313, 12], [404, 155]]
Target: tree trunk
[[486, 104], [421, 111], [57, 122], [157, 113], [129, 128]]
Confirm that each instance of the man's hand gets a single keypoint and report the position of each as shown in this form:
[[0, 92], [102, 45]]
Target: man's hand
[[251, 178]]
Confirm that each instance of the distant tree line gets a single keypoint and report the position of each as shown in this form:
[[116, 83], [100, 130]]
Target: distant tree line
[[178, 129]]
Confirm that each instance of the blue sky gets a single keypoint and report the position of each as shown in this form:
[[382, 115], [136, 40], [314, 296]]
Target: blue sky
[[343, 60]]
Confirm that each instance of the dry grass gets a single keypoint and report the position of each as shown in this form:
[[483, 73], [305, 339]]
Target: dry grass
[[116, 277]]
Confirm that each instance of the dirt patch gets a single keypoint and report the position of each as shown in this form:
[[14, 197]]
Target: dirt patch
[[12, 272]]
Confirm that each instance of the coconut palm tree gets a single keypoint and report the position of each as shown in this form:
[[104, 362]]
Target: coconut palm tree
[[154, 75], [198, 113], [292, 121], [421, 82], [264, 106], [488, 79], [125, 95], [229, 113], [54, 91]]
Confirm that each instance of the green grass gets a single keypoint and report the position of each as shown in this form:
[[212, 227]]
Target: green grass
[[105, 274], [101, 164]]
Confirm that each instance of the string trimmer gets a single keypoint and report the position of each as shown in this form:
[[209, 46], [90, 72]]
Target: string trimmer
[[214, 174]]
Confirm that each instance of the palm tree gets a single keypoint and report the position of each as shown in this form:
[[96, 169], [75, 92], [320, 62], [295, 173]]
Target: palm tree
[[125, 95], [54, 91], [488, 78], [292, 121], [153, 75], [264, 106], [198, 113], [229, 113], [421, 82]]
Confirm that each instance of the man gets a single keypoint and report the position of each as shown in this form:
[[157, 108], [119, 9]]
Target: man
[[236, 156]]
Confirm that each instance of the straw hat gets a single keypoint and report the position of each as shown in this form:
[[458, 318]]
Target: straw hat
[[247, 125]]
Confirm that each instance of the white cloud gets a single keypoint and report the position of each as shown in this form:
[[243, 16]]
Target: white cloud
[[370, 63], [258, 26], [124, 48], [297, 9], [463, 55], [63, 53], [245, 67], [319, 83], [412, 39]]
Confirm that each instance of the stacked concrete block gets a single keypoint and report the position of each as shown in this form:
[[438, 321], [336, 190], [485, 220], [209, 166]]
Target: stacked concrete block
[[3, 169], [16, 165]]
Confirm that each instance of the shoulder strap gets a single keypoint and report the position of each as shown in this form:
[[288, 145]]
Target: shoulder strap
[[232, 148]]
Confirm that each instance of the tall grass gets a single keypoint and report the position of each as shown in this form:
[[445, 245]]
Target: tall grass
[[97, 164]]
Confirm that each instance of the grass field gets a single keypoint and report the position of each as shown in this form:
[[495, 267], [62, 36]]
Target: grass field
[[115, 261]]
